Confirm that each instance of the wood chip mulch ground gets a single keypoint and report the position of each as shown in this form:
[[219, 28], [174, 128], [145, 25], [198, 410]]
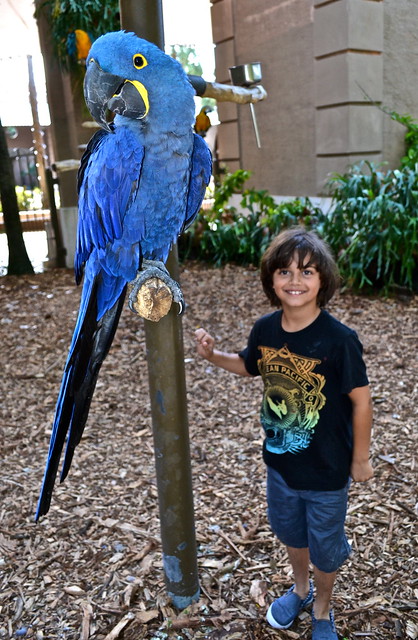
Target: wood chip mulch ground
[[92, 568]]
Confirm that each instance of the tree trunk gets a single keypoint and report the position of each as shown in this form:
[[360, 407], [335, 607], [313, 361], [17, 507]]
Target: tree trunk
[[19, 262], [61, 107]]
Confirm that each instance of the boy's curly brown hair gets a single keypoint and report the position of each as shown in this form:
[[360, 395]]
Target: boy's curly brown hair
[[310, 250]]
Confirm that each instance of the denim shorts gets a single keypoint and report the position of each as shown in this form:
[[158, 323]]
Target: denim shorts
[[313, 519]]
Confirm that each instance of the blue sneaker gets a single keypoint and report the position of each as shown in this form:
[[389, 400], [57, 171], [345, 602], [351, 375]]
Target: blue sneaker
[[324, 629], [283, 611]]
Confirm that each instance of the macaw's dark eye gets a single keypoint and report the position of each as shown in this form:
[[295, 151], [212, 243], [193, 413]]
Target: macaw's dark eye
[[139, 61]]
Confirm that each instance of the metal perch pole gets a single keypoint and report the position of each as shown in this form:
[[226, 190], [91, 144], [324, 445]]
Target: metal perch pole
[[167, 385], [165, 356]]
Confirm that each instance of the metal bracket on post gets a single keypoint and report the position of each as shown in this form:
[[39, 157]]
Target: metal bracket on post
[[248, 75], [244, 90]]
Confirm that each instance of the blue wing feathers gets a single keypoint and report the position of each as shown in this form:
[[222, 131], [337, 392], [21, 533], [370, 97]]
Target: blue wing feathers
[[105, 189], [200, 173], [92, 145]]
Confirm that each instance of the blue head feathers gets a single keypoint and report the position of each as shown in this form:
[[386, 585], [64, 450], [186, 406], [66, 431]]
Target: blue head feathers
[[135, 79]]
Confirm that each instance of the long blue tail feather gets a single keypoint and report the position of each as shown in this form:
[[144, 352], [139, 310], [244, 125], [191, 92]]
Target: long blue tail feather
[[89, 347]]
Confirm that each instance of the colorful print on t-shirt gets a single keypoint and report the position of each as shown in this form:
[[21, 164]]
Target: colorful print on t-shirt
[[292, 399]]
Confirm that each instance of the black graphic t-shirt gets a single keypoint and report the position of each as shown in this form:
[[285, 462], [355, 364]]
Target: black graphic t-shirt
[[306, 412]]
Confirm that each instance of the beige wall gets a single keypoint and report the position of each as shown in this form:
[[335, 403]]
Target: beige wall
[[317, 57], [282, 40], [400, 71]]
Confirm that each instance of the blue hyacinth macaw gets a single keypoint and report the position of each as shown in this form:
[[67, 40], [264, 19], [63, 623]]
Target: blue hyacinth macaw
[[141, 183]]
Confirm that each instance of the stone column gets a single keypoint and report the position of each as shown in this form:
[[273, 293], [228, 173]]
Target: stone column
[[222, 12], [348, 46]]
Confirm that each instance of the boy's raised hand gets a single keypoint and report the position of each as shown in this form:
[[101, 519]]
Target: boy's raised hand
[[205, 343]]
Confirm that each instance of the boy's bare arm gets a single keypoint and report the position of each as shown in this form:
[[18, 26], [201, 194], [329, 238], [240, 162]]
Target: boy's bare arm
[[228, 361], [361, 468]]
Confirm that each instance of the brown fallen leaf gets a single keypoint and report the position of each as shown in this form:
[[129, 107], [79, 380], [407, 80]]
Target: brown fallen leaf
[[116, 631], [146, 616], [74, 590], [258, 591]]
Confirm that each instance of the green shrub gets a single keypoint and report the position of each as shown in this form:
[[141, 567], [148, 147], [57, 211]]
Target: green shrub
[[27, 200], [410, 158], [372, 227], [223, 234]]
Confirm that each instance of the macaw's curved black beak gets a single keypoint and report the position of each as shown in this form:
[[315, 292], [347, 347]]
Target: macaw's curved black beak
[[105, 91]]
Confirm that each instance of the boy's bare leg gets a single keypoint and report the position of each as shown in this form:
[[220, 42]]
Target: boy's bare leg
[[299, 559], [324, 583]]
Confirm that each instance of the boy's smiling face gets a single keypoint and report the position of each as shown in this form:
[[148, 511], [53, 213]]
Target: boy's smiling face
[[297, 286]]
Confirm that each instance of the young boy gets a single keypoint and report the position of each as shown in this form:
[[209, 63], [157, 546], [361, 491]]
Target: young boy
[[316, 413]]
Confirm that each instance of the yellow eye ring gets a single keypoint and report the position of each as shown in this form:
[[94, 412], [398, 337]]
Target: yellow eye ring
[[139, 61]]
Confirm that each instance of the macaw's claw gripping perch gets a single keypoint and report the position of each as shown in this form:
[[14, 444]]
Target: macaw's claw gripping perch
[[153, 290]]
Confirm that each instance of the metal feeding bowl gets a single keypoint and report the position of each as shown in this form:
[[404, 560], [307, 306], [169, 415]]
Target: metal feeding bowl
[[245, 75]]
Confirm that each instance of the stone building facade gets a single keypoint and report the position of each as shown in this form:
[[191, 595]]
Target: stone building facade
[[323, 62]]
